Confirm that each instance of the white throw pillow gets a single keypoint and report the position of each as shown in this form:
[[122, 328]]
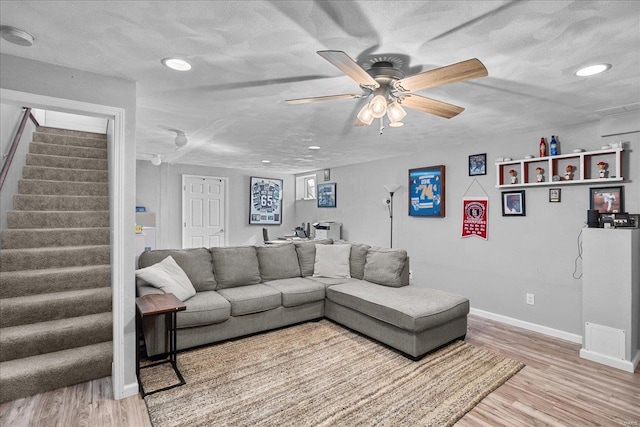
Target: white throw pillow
[[169, 278], [332, 261]]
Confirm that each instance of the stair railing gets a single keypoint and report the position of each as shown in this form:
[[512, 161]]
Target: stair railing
[[14, 144]]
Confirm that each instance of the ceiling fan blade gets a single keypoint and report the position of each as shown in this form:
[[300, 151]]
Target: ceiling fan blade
[[324, 98], [347, 65], [430, 106], [465, 70]]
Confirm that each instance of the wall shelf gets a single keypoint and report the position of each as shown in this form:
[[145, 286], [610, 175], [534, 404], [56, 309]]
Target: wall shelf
[[585, 169]]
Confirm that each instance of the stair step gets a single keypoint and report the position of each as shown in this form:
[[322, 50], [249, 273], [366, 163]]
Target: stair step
[[44, 372], [66, 162], [57, 219], [52, 306], [67, 150], [62, 188], [32, 282], [18, 342], [77, 141], [64, 174], [63, 256], [23, 238], [69, 132], [39, 202]]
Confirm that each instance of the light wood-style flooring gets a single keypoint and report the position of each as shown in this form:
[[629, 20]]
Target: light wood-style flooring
[[556, 388]]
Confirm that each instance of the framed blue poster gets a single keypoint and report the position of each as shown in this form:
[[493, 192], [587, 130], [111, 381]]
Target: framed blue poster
[[327, 195], [265, 201], [426, 191]]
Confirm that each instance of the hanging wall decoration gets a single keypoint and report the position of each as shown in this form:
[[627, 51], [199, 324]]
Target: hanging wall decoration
[[426, 191], [265, 201], [475, 216], [327, 195]]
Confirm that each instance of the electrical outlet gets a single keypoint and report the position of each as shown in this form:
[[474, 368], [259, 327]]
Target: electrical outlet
[[531, 299], [410, 274]]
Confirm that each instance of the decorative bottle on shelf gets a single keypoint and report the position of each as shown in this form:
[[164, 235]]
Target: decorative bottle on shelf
[[553, 146], [543, 148]]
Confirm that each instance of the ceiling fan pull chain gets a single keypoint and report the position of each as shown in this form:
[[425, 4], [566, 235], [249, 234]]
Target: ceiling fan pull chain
[[381, 124]]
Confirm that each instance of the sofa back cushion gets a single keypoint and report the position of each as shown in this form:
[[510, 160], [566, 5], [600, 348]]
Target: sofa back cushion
[[307, 254], [196, 263], [278, 261], [385, 266], [235, 266], [358, 260], [332, 261]]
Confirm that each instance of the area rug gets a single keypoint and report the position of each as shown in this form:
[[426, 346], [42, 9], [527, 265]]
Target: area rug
[[321, 374]]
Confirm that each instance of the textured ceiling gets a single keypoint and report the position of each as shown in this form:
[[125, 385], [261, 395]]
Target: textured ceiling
[[248, 56]]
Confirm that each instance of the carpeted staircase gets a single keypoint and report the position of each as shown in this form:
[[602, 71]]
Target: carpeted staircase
[[55, 273]]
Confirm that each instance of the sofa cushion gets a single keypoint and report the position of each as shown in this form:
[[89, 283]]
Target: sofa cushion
[[411, 307], [298, 291], [204, 308], [384, 266], [332, 261], [168, 277], [358, 259], [251, 299], [328, 281], [278, 261], [235, 266], [307, 254], [196, 263]]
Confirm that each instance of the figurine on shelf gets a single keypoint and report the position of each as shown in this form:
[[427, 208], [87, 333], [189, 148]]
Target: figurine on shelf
[[514, 179], [540, 174], [602, 169], [568, 172]]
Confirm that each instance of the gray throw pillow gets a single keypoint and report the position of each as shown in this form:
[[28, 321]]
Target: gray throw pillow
[[196, 263], [278, 261], [235, 266], [332, 261], [307, 254], [169, 278], [358, 259], [384, 266]]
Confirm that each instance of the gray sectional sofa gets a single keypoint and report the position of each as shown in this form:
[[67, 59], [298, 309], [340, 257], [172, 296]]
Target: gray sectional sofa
[[244, 290]]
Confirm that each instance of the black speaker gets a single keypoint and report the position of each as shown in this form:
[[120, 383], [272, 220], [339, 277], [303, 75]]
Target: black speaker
[[593, 218]]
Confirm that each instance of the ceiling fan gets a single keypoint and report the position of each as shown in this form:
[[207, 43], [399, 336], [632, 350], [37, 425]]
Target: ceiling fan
[[391, 90]]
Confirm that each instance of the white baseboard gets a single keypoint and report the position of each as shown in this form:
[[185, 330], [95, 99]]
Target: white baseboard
[[130, 390], [625, 365], [556, 333]]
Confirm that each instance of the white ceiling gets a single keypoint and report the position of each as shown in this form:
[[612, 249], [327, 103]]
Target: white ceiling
[[248, 56]]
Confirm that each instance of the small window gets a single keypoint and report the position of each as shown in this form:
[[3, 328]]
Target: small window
[[306, 187]]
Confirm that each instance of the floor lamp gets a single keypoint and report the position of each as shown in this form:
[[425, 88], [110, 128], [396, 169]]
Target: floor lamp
[[391, 188]]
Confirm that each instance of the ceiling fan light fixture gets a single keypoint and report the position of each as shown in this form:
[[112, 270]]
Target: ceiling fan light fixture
[[396, 124], [378, 106], [176, 64], [592, 70], [365, 115], [395, 112]]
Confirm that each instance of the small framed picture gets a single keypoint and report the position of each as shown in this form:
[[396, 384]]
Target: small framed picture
[[478, 164], [327, 195], [513, 203], [554, 195], [607, 199], [327, 175]]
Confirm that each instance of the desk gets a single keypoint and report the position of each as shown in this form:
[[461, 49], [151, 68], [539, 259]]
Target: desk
[[154, 305], [281, 240]]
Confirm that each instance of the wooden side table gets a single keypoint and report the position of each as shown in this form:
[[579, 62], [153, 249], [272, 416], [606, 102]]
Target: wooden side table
[[154, 305]]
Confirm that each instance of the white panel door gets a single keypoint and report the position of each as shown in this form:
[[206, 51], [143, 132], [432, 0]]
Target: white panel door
[[203, 212]]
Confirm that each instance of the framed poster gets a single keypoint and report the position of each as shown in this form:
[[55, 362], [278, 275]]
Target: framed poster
[[513, 203], [554, 195], [607, 199], [327, 175], [265, 201], [327, 195], [478, 164], [427, 191]]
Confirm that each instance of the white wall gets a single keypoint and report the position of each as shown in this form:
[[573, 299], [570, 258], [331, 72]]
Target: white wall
[[158, 189], [90, 89], [533, 254]]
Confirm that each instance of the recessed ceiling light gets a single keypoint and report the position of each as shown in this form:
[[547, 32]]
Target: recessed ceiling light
[[592, 70], [314, 147], [176, 64], [266, 162]]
